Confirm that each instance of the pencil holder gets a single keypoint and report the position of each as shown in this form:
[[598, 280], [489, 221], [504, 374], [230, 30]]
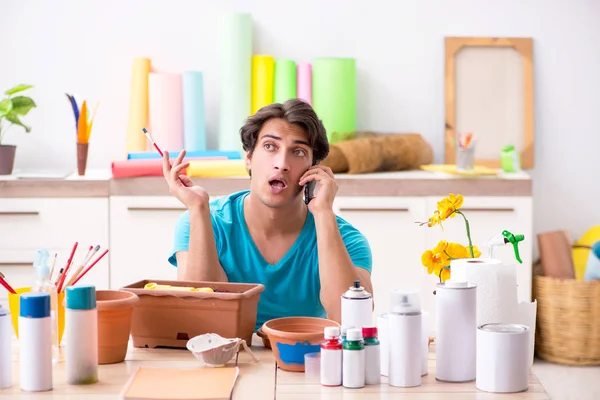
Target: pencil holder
[[82, 156], [465, 158], [14, 307]]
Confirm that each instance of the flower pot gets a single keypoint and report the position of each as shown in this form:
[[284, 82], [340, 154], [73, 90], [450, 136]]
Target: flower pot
[[82, 156], [114, 324], [7, 158]]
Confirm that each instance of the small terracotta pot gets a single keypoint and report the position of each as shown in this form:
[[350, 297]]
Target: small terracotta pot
[[293, 337], [115, 308]]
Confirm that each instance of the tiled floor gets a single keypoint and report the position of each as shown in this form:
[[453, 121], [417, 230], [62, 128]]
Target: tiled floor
[[564, 382]]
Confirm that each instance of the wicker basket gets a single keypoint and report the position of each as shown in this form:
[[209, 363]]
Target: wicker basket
[[568, 320]]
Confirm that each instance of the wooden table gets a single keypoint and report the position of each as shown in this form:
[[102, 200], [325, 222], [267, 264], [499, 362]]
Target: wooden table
[[256, 381]]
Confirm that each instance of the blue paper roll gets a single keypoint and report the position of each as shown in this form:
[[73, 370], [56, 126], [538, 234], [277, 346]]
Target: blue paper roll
[[149, 155], [194, 123]]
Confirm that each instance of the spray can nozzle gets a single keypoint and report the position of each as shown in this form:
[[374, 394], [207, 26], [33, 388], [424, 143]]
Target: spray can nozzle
[[514, 240]]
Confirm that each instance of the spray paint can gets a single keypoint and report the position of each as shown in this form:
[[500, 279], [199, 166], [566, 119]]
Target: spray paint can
[[406, 344], [331, 358], [372, 356], [6, 377], [384, 343], [425, 346], [353, 360], [357, 307], [456, 329]]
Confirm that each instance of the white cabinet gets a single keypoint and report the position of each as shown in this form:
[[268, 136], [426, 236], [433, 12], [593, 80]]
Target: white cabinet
[[141, 237], [396, 242], [27, 224]]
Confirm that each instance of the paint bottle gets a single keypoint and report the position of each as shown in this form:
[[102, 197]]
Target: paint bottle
[[353, 360], [81, 321], [406, 339], [6, 377], [357, 307], [331, 358], [35, 344], [372, 356]]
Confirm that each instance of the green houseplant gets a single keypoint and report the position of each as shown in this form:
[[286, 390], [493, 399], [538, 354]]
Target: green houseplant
[[12, 108]]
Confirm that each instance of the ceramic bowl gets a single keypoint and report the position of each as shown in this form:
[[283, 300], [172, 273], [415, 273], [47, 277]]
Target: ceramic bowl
[[293, 337]]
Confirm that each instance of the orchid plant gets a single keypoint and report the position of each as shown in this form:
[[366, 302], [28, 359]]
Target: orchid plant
[[437, 260]]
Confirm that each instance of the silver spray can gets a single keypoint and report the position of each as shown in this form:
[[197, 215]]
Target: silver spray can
[[405, 339], [357, 308]]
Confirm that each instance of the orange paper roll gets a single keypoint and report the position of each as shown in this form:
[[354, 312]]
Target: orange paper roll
[[149, 167], [138, 105], [165, 106], [217, 168], [263, 75]]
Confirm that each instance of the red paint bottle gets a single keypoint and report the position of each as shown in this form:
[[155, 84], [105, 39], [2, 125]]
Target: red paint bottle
[[331, 358]]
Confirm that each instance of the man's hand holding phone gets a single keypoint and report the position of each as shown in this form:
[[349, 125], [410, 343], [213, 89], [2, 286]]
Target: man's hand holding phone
[[324, 188]]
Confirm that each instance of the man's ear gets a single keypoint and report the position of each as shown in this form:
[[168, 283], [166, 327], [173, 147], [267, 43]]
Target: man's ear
[[247, 159]]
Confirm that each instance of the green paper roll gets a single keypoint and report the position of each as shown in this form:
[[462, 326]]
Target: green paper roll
[[334, 96], [285, 81], [235, 66]]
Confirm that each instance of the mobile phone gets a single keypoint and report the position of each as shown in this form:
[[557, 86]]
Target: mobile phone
[[309, 191]]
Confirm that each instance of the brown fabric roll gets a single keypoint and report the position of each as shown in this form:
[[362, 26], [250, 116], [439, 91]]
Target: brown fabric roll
[[378, 153]]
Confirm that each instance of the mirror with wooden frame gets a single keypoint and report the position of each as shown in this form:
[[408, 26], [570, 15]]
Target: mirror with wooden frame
[[489, 93]]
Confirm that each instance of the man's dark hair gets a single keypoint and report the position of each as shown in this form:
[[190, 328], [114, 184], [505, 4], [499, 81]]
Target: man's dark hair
[[294, 111]]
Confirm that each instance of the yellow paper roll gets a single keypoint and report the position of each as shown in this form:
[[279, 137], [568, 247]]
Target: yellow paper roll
[[216, 168], [138, 106], [263, 75]]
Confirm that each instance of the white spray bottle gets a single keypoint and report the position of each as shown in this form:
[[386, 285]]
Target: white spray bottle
[[503, 238]]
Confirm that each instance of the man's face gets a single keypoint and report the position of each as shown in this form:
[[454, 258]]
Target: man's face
[[281, 156]]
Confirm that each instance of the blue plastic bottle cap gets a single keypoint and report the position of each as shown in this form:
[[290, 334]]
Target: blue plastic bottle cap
[[34, 305], [80, 297]]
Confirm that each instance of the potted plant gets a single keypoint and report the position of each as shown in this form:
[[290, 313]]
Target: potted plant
[[12, 108]]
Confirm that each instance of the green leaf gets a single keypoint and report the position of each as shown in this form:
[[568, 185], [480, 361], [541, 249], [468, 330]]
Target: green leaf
[[5, 107], [17, 89], [14, 118], [21, 105]]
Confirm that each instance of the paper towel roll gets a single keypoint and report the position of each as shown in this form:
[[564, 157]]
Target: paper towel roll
[[138, 105], [383, 328], [235, 58], [496, 287], [304, 83], [194, 125], [502, 363], [165, 107]]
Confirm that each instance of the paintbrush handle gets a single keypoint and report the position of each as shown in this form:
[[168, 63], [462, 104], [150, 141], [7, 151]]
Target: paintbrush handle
[[74, 276]]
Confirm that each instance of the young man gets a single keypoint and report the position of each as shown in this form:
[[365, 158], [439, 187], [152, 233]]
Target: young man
[[306, 256]]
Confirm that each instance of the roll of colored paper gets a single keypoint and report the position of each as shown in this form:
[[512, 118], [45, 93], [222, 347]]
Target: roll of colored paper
[[334, 96], [304, 82], [285, 81], [235, 68], [138, 105], [217, 168], [150, 155], [194, 123], [150, 167], [263, 69], [165, 110]]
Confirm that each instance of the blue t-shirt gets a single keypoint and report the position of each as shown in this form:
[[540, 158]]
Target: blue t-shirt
[[292, 285]]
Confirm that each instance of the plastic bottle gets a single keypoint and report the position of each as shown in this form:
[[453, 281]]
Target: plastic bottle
[[372, 356], [81, 322], [405, 339], [43, 284], [6, 377], [353, 360], [357, 307], [503, 238], [331, 358], [35, 347]]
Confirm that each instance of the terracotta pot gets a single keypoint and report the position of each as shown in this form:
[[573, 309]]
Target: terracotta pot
[[7, 158], [293, 337], [82, 156], [114, 324]]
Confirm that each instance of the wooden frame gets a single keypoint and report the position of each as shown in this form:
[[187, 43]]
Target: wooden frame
[[524, 46]]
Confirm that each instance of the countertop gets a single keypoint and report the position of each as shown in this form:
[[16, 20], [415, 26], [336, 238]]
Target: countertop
[[99, 183]]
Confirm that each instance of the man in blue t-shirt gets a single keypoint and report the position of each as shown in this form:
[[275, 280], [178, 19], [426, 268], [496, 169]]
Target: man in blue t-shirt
[[304, 255]]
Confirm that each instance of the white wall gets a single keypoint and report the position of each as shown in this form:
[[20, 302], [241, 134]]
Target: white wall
[[86, 47]]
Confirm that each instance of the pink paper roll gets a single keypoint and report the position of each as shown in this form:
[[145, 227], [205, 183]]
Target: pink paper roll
[[304, 88], [165, 110]]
